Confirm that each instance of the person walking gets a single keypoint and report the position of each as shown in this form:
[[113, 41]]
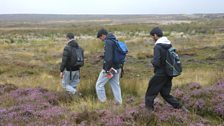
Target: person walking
[[111, 71], [160, 82], [70, 66]]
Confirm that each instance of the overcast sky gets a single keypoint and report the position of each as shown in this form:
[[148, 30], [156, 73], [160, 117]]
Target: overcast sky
[[111, 6]]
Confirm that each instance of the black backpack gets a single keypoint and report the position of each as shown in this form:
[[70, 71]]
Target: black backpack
[[77, 56], [173, 64]]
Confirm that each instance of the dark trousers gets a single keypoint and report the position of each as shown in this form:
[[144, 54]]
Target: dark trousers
[[162, 85]]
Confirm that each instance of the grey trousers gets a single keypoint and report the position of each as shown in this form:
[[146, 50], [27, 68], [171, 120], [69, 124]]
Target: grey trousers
[[70, 84], [114, 83]]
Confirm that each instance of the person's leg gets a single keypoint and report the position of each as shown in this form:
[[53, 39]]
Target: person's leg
[[165, 93], [154, 87], [100, 89], [75, 79], [116, 89], [66, 82]]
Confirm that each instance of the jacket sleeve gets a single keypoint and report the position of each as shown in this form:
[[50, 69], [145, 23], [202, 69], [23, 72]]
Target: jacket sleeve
[[64, 58], [108, 55], [157, 57]]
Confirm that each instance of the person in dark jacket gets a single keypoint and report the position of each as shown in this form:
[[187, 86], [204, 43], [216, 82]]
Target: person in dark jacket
[[107, 74], [69, 73], [160, 82]]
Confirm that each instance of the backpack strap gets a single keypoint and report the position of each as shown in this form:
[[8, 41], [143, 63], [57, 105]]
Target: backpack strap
[[70, 75], [70, 69], [121, 65], [115, 41]]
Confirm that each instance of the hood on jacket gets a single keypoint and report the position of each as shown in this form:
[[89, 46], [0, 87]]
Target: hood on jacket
[[164, 42], [73, 43], [110, 36]]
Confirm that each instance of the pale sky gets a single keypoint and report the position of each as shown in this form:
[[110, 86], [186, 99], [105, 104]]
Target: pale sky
[[111, 6]]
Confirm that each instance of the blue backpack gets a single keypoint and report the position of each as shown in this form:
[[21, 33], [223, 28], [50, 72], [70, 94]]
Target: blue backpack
[[120, 52]]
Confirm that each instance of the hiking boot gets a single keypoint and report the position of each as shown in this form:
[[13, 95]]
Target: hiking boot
[[149, 109], [185, 109]]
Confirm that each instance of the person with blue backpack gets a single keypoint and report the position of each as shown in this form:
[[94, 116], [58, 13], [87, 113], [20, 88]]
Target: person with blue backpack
[[112, 62], [161, 82]]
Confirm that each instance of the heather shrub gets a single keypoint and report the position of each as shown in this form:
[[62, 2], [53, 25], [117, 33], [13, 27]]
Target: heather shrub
[[203, 100], [32, 105], [38, 106]]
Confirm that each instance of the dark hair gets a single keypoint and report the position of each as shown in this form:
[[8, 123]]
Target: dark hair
[[70, 35], [156, 31], [101, 32]]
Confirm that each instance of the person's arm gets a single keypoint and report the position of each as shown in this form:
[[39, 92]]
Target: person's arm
[[156, 58], [108, 55], [64, 58]]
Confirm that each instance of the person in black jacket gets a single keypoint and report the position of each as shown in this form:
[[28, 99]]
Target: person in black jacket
[[69, 73], [105, 75], [160, 82]]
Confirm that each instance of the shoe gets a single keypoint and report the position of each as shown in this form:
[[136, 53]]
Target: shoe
[[149, 109], [185, 109], [117, 103]]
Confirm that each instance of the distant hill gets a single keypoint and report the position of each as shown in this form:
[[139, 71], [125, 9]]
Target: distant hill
[[113, 18]]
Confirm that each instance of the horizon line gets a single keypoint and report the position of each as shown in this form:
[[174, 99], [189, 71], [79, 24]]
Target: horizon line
[[110, 14]]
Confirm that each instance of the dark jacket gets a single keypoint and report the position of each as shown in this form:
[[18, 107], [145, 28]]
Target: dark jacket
[[109, 52], [66, 58], [159, 58]]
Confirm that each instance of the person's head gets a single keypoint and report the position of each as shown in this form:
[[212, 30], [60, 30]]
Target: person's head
[[156, 33], [70, 36], [102, 34]]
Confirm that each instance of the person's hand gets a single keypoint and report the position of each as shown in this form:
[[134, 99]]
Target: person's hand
[[152, 61], [101, 56], [61, 75]]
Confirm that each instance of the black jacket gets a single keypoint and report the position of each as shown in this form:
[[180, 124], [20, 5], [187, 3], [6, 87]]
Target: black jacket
[[159, 58], [109, 52], [66, 58]]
